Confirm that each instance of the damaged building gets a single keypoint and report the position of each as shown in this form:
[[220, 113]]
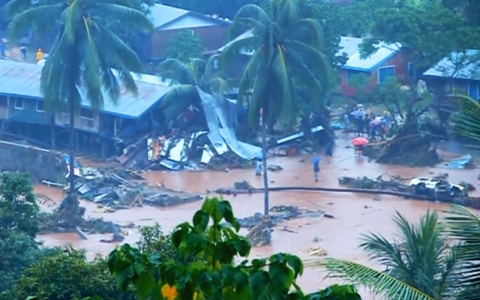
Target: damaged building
[[134, 129], [115, 125]]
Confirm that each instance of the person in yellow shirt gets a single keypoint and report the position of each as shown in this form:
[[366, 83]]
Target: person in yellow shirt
[[39, 55]]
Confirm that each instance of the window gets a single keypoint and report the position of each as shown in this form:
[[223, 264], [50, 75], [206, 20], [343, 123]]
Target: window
[[411, 70], [86, 113], [86, 118], [40, 106], [19, 103], [473, 89], [3, 101], [384, 73]]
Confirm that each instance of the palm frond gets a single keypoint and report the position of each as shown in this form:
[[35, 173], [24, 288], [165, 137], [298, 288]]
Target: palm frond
[[233, 51], [212, 66], [251, 24], [126, 14], [308, 31], [380, 283], [71, 17], [176, 71], [42, 19], [217, 86], [308, 77], [60, 75], [116, 52], [467, 119], [250, 11], [91, 66], [249, 74], [463, 225], [286, 100], [14, 7], [178, 93]]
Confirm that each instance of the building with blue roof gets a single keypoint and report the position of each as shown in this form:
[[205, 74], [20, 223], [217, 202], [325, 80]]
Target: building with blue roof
[[21, 101], [387, 61], [458, 72]]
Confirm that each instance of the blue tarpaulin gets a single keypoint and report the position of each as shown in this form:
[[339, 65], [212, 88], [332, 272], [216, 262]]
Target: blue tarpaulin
[[461, 162]]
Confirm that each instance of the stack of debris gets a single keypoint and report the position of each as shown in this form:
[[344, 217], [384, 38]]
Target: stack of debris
[[260, 226], [211, 148], [121, 189]]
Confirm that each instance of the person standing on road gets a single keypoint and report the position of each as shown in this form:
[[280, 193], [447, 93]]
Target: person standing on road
[[316, 167], [258, 167]]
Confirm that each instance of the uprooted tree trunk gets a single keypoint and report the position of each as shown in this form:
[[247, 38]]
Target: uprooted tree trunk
[[410, 146]]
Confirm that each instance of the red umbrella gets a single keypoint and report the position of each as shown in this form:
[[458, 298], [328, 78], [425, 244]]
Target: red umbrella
[[359, 141]]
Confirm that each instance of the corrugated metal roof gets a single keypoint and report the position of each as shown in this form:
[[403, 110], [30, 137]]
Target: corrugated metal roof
[[163, 14], [462, 65], [355, 62], [349, 46], [22, 79]]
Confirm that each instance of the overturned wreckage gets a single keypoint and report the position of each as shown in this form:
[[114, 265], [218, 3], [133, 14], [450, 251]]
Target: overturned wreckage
[[212, 148]]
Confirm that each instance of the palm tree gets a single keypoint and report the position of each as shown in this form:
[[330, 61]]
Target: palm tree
[[288, 49], [419, 263], [464, 225], [83, 53], [186, 78]]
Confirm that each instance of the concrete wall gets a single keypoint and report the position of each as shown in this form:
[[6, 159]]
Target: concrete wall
[[40, 163]]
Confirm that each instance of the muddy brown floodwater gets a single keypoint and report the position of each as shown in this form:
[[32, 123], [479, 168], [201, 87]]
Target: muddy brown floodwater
[[338, 236]]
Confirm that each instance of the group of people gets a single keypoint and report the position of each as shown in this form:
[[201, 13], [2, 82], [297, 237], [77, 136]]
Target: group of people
[[371, 125]]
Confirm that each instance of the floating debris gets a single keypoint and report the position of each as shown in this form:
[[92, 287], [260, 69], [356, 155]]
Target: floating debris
[[317, 251]]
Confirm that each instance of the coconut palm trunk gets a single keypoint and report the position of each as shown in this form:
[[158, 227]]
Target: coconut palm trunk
[[71, 159], [264, 163]]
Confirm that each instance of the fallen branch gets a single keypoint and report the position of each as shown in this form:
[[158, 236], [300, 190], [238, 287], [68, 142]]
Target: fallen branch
[[468, 202]]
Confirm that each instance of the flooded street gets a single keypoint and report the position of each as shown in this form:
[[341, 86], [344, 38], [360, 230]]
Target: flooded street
[[339, 236]]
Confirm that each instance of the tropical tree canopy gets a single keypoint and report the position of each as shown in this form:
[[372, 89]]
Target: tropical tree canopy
[[288, 44], [185, 78], [419, 264], [85, 49]]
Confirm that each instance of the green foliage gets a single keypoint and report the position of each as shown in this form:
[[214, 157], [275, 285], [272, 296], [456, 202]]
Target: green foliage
[[464, 226], [289, 44], [426, 29], [66, 274], [17, 251], [212, 240], [184, 46], [18, 226], [153, 240], [467, 118], [419, 263], [337, 292], [18, 206], [187, 77]]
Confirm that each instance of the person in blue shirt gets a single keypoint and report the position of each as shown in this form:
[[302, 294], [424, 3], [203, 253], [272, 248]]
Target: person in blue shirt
[[316, 167]]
